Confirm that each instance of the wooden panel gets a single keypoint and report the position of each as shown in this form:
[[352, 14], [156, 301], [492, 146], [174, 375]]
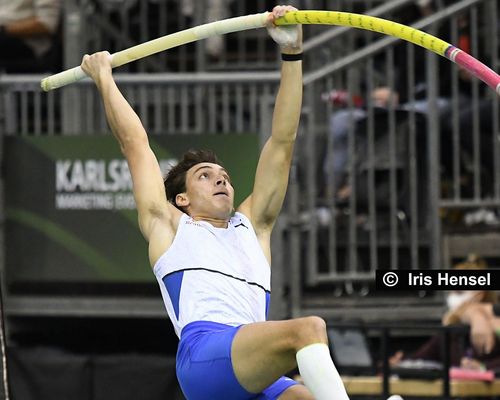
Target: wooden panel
[[372, 385]]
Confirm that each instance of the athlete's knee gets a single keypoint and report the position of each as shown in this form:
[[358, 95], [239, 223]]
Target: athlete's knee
[[316, 328], [310, 330]]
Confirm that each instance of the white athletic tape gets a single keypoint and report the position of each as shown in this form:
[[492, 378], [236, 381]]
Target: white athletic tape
[[63, 78]]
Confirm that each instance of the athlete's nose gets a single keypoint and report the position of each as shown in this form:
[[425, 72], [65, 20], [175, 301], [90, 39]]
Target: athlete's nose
[[221, 180]]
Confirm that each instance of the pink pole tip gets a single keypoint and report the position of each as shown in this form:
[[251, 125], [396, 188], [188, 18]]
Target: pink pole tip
[[477, 68]]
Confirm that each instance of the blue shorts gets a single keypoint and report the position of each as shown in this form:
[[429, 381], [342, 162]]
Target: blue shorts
[[204, 367]]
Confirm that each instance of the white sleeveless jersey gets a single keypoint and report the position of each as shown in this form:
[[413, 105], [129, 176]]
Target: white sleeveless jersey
[[214, 274]]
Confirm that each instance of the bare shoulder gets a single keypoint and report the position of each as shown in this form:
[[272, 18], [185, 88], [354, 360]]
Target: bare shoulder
[[261, 228], [162, 234]]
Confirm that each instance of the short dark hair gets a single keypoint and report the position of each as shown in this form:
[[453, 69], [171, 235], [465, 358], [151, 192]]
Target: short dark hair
[[175, 181]]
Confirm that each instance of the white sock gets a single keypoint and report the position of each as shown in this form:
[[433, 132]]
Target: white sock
[[319, 373]]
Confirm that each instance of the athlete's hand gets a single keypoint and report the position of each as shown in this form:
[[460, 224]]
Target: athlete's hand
[[97, 65], [289, 37]]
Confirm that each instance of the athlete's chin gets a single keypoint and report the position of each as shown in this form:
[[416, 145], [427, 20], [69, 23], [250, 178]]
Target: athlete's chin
[[223, 204], [223, 212]]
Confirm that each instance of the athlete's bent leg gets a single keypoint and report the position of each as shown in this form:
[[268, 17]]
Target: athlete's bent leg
[[264, 351]]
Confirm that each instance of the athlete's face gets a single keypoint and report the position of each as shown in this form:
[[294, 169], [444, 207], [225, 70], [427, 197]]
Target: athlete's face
[[209, 193]]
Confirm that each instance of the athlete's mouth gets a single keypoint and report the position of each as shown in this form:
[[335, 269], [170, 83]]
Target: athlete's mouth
[[219, 193]]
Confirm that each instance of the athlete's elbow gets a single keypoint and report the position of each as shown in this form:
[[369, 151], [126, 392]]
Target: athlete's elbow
[[131, 143]]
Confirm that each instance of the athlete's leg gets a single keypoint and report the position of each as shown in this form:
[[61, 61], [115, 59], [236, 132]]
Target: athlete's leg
[[264, 351]]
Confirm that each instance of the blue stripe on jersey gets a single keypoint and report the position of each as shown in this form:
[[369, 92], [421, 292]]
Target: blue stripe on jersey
[[173, 283], [268, 300]]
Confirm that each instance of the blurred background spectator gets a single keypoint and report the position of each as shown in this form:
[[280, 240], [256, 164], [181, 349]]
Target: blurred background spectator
[[349, 113], [28, 30], [482, 349]]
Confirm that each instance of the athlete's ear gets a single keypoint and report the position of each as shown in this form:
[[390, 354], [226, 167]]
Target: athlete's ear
[[182, 200]]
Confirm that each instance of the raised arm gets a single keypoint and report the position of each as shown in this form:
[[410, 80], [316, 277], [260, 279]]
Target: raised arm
[[155, 213], [271, 178]]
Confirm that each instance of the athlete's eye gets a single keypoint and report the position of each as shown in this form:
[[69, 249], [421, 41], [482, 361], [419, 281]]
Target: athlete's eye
[[204, 175]]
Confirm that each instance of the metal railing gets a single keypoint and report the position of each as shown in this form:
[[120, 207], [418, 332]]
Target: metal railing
[[167, 103]]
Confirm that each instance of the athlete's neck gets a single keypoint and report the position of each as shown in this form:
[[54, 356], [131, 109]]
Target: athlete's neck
[[216, 222]]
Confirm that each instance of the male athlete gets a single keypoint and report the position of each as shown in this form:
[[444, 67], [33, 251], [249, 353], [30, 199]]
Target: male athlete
[[213, 267]]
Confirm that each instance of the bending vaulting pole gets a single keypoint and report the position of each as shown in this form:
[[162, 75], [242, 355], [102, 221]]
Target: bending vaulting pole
[[386, 27]]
